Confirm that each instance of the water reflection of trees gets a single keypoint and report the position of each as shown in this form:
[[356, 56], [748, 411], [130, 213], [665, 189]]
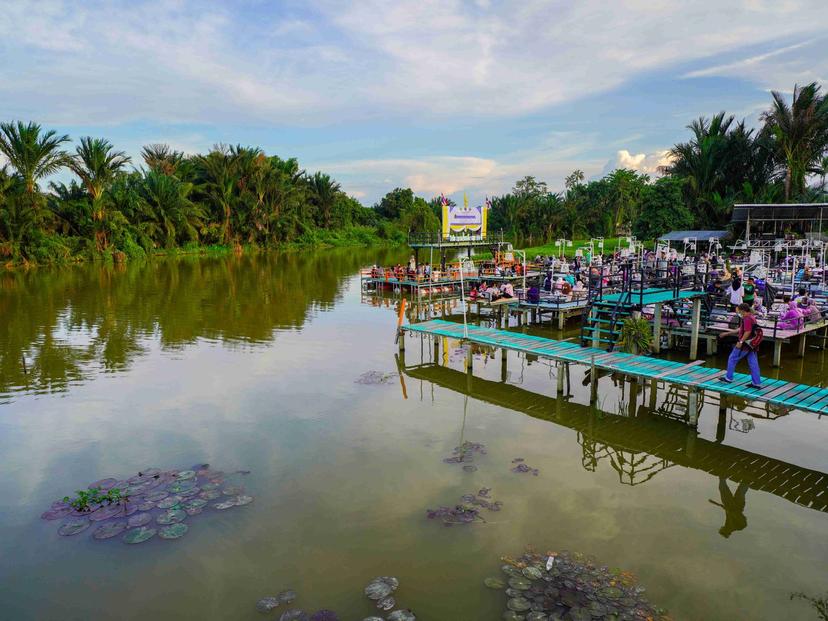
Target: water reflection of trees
[[57, 327]]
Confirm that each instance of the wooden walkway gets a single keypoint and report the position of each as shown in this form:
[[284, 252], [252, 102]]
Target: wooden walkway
[[693, 375]]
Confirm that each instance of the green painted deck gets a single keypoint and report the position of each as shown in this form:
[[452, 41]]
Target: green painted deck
[[653, 296], [776, 392]]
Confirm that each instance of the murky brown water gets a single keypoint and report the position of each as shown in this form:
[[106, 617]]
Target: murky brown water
[[250, 363]]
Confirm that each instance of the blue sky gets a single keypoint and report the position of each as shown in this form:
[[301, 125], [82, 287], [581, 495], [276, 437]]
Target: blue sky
[[439, 96]]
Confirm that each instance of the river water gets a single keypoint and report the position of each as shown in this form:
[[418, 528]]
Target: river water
[[250, 363]]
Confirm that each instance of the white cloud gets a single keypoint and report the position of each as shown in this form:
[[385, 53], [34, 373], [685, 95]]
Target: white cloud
[[779, 69], [95, 62], [431, 175], [648, 163]]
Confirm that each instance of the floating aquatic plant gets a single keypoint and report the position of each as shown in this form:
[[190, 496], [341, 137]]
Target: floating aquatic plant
[[266, 604], [522, 467], [164, 497], [467, 512], [376, 377], [294, 615], [324, 615], [138, 535], [570, 586], [465, 452], [173, 531]]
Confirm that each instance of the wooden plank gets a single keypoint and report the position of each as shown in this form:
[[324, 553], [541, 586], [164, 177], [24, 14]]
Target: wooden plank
[[680, 370], [794, 400], [780, 390]]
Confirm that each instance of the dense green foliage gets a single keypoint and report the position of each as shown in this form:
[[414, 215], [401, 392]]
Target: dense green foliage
[[234, 196]]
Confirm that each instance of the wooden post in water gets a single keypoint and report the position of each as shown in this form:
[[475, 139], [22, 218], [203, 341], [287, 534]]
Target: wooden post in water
[[400, 333], [777, 353], [561, 373], [692, 407], [436, 349], [657, 329], [469, 359], [801, 350], [653, 395], [694, 330], [504, 357], [561, 319], [593, 381]]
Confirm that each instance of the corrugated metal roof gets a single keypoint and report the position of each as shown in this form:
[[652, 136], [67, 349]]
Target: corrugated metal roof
[[701, 236]]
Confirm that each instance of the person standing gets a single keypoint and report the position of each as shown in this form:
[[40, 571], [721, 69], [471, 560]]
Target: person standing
[[743, 349], [749, 291], [735, 293]]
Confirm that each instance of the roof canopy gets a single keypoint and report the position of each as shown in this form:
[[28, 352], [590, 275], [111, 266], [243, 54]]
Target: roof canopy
[[780, 212], [701, 236]]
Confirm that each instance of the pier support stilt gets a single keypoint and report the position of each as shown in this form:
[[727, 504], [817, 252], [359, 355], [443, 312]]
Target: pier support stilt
[[692, 407], [504, 357], [469, 359], [401, 341], [694, 329], [593, 382], [436, 349], [560, 383], [777, 353], [561, 320], [657, 329], [801, 345], [653, 395]]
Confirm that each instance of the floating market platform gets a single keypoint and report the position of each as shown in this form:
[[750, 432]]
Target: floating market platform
[[692, 375]]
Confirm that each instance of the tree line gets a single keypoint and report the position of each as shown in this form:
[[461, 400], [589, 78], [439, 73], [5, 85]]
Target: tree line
[[235, 196]]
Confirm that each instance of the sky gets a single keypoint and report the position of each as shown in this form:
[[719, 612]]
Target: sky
[[440, 96]]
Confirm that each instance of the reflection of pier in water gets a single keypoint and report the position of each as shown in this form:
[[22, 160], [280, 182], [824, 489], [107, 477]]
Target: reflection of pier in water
[[642, 444]]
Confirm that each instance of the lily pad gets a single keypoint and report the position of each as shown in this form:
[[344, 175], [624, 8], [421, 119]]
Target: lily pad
[[378, 588], [104, 484], [519, 604], [139, 519], [150, 472], [195, 503], [184, 475], [173, 531], [386, 603], [266, 604], [138, 535], [56, 514], [73, 527], [227, 504], [210, 494], [294, 615], [286, 596], [171, 516], [402, 615], [157, 495], [146, 506], [110, 530], [240, 501], [324, 615], [190, 493], [521, 584], [208, 487], [110, 511], [233, 490], [169, 502], [532, 572], [181, 486], [494, 583]]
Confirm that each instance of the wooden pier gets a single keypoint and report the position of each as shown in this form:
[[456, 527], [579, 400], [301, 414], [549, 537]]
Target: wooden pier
[[693, 375]]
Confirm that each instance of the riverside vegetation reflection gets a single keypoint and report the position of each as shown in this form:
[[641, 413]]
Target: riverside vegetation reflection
[[60, 326]]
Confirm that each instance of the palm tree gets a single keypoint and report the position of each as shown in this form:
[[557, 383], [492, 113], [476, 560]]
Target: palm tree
[[800, 133], [32, 154], [217, 179], [161, 158], [324, 192], [97, 164], [169, 214]]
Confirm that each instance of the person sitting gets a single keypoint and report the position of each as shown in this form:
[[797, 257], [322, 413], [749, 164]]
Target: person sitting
[[507, 290], [811, 312], [758, 309], [578, 290], [792, 319], [473, 294], [533, 295], [547, 282], [493, 293], [802, 300], [566, 288]]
